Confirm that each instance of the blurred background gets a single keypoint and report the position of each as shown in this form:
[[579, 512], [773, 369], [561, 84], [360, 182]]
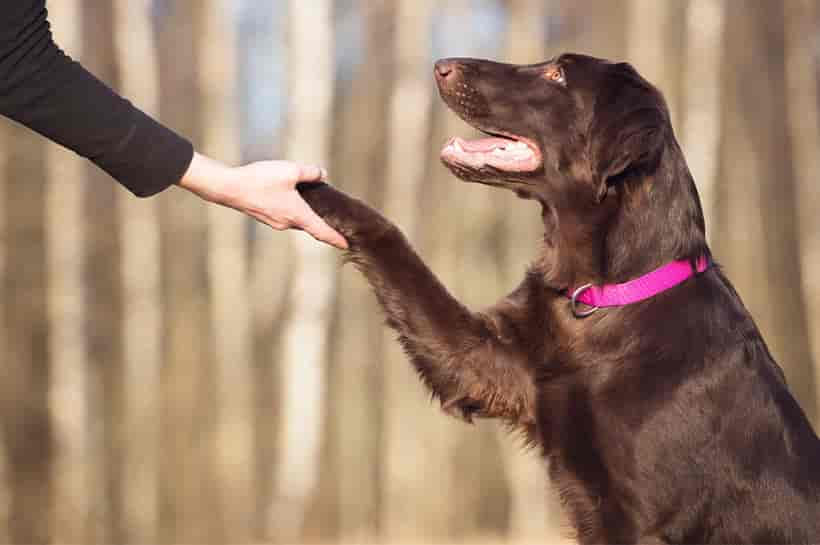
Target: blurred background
[[174, 373]]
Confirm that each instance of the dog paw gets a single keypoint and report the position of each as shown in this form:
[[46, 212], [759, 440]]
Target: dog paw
[[356, 221]]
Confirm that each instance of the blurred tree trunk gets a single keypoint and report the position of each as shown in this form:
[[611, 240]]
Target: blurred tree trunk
[[67, 299], [700, 137], [27, 429], [189, 505], [405, 485], [802, 103], [407, 140], [594, 27], [655, 45], [535, 513], [103, 303], [142, 315], [306, 332], [446, 451], [357, 367], [233, 442], [74, 455], [738, 195], [5, 473], [270, 273], [490, 241], [760, 191]]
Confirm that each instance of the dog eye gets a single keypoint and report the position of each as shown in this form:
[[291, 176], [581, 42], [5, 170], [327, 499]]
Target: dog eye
[[554, 73]]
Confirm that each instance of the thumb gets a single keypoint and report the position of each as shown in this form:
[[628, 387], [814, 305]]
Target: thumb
[[316, 227]]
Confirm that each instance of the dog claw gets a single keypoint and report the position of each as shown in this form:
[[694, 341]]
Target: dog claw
[[459, 407]]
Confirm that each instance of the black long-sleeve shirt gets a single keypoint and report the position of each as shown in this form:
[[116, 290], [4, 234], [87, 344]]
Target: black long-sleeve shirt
[[43, 89]]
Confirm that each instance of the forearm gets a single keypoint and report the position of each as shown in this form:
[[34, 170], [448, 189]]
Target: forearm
[[471, 361], [43, 89], [467, 359], [461, 356]]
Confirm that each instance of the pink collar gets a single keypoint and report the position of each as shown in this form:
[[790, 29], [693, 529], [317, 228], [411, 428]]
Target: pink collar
[[644, 287]]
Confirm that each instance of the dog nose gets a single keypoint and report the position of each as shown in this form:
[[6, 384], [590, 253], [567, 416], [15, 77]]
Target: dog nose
[[444, 69]]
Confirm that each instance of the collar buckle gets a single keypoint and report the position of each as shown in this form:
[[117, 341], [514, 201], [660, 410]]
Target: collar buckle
[[573, 303]]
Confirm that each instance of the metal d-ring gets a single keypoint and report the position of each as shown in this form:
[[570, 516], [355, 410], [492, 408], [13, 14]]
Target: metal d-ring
[[574, 303]]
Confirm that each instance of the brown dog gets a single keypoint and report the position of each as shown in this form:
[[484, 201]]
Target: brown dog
[[664, 421]]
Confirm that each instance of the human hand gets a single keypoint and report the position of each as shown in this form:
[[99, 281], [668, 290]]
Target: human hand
[[265, 190]]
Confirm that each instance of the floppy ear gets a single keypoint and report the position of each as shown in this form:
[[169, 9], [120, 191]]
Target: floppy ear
[[629, 129]]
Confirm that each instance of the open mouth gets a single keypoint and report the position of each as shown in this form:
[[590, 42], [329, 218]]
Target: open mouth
[[502, 152]]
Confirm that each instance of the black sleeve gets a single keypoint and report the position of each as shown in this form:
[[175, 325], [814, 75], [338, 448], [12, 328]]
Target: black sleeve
[[43, 89]]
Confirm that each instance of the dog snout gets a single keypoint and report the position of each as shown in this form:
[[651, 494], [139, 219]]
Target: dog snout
[[446, 69]]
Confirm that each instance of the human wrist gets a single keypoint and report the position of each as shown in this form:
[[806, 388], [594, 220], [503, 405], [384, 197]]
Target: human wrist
[[211, 180]]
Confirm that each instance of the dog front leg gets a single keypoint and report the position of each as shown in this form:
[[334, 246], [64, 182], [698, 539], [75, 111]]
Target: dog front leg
[[463, 357]]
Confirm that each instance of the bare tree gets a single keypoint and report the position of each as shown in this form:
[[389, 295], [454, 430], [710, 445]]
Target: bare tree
[[68, 398], [356, 365], [24, 393], [654, 45], [438, 449], [404, 401], [5, 475], [103, 303], [700, 137], [270, 281], [760, 192], [305, 335], [189, 497], [141, 320], [801, 20], [736, 227], [228, 257], [69, 389], [534, 512], [593, 27]]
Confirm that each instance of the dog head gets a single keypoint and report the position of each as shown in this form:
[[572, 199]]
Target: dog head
[[592, 141], [568, 127]]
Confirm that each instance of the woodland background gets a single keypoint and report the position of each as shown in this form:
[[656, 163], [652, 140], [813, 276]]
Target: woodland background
[[174, 373]]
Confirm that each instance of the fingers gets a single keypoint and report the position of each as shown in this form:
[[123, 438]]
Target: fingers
[[316, 227], [280, 206]]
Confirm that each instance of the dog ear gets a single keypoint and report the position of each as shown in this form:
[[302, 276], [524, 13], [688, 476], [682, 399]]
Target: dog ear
[[629, 129]]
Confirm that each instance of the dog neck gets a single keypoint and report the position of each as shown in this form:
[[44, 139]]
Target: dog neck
[[645, 221]]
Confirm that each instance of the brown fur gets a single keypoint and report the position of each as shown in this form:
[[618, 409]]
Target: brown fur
[[665, 421]]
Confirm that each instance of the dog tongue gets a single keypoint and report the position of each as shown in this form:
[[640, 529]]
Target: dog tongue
[[482, 145]]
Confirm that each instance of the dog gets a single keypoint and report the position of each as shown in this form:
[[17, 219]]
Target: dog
[[660, 410]]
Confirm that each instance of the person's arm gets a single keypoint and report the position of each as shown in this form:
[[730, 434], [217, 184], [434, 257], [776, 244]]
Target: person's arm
[[43, 89]]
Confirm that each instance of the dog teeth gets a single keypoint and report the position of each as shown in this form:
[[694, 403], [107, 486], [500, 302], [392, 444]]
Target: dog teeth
[[511, 151], [518, 150]]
